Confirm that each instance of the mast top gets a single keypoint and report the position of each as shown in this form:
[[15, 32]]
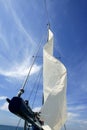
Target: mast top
[[48, 27]]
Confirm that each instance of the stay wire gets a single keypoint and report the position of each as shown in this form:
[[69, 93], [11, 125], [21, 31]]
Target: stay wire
[[64, 126], [35, 57], [18, 124], [48, 21], [38, 84], [36, 80], [39, 76]]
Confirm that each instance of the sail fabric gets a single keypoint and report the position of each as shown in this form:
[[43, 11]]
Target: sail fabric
[[53, 112]]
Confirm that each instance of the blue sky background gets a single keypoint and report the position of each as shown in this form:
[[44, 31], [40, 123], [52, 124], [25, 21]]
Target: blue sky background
[[23, 24]]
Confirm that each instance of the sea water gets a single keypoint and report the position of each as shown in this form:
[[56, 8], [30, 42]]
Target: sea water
[[4, 127]]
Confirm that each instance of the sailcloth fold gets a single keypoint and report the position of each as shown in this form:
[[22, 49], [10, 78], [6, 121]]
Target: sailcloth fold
[[53, 112]]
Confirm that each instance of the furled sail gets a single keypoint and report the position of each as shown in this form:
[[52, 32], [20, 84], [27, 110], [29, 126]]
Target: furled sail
[[54, 82]]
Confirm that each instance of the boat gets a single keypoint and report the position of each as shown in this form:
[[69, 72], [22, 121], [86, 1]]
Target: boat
[[53, 112]]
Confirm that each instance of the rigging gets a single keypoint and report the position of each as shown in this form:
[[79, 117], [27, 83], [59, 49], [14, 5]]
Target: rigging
[[64, 126], [18, 124], [37, 81], [48, 21], [37, 87], [21, 91]]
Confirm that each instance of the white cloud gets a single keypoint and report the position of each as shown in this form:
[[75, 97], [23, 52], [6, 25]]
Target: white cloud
[[4, 107], [85, 122], [79, 121], [81, 107], [72, 115], [36, 109], [78, 108], [19, 23], [19, 71], [3, 40], [16, 70], [3, 97]]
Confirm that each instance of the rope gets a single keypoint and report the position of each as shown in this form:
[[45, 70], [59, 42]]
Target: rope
[[23, 86], [64, 126], [34, 85], [39, 77], [30, 68], [18, 124], [35, 57], [48, 21]]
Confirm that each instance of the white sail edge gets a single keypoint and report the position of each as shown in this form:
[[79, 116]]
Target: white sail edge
[[54, 85]]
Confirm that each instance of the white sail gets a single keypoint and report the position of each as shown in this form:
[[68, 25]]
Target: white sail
[[54, 82]]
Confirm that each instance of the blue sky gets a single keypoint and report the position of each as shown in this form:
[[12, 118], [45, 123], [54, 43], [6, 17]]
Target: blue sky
[[23, 24]]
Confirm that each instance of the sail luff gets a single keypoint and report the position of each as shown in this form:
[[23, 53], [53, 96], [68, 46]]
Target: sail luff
[[54, 82], [48, 49]]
